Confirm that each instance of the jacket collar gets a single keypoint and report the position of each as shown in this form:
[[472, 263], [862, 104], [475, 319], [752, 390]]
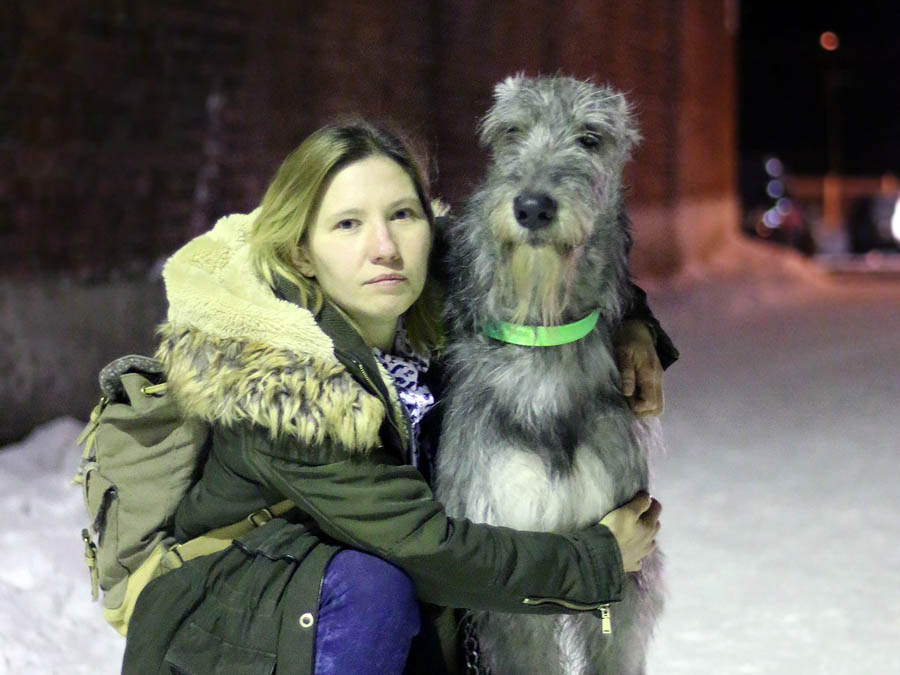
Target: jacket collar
[[236, 353], [352, 351], [348, 344]]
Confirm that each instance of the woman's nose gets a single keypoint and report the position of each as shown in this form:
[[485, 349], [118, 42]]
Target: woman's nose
[[383, 248]]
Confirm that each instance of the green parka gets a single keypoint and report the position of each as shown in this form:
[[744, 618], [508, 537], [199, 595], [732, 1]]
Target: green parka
[[300, 409]]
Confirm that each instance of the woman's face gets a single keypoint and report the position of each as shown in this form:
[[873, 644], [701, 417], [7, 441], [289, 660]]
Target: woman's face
[[368, 246]]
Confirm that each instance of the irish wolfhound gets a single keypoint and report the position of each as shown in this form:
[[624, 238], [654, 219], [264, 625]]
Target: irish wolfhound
[[540, 437]]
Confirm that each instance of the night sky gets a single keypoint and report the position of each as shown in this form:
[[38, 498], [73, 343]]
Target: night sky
[[782, 85]]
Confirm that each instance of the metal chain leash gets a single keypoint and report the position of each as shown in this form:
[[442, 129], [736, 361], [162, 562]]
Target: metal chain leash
[[473, 652]]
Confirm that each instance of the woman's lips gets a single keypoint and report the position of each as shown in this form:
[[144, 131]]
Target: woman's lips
[[387, 279]]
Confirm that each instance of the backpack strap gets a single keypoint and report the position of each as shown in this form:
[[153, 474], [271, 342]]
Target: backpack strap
[[221, 538], [165, 558]]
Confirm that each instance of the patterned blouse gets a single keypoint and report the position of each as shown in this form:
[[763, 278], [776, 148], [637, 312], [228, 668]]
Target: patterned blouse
[[405, 366]]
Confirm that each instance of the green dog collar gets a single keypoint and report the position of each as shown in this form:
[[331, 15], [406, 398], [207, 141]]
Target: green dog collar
[[542, 336]]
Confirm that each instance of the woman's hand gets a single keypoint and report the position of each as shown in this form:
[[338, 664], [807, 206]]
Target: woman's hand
[[634, 526], [639, 368]]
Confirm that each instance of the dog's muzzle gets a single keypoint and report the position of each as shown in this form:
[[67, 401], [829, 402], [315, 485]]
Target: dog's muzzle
[[534, 210]]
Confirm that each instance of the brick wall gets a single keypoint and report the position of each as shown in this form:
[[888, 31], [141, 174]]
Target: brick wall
[[126, 127], [113, 131]]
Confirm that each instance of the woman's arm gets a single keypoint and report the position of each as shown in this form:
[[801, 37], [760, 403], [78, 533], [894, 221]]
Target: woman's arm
[[379, 506], [639, 310], [643, 351]]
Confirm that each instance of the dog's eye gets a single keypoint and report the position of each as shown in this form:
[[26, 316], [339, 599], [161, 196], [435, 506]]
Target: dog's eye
[[589, 141], [512, 131]]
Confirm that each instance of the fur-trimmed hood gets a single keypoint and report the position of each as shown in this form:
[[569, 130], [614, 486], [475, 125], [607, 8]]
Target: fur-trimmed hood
[[236, 353]]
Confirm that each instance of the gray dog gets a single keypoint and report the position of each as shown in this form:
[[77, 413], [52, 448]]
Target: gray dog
[[540, 437]]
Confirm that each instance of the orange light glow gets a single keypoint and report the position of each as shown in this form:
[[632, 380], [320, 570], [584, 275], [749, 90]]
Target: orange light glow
[[829, 41]]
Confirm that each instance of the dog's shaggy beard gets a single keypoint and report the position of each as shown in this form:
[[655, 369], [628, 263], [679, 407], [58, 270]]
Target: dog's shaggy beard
[[535, 282], [537, 269]]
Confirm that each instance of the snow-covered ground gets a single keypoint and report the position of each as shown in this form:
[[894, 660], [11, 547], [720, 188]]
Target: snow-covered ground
[[48, 624], [781, 487], [781, 494]]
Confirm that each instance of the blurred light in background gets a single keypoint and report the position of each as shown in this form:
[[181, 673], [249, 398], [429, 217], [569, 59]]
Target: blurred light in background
[[772, 218], [829, 41], [784, 206], [775, 189], [774, 167], [895, 221]]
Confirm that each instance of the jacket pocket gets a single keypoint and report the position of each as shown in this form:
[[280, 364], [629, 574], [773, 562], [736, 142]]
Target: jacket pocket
[[194, 651]]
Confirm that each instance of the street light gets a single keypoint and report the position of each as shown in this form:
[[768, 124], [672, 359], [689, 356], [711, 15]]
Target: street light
[[832, 198], [829, 41]]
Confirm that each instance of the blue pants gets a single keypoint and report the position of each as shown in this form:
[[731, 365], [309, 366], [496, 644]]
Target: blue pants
[[368, 616]]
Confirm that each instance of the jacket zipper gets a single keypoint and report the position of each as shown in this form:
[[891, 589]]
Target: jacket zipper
[[605, 613], [606, 619], [387, 405], [321, 585]]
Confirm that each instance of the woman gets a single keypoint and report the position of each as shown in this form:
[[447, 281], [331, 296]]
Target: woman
[[303, 333]]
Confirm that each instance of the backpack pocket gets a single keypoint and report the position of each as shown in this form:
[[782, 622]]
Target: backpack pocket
[[101, 497]]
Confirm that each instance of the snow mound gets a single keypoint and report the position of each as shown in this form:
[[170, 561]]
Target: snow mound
[[48, 623], [48, 448]]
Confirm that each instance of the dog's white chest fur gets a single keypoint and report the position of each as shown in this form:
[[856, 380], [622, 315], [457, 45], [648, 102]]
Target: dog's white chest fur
[[523, 494]]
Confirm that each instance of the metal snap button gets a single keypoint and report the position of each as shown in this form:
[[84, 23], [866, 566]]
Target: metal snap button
[[306, 620]]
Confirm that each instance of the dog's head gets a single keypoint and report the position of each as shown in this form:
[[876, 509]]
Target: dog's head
[[565, 112], [552, 198]]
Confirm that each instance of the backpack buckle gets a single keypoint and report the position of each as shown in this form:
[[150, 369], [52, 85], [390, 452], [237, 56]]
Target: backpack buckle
[[261, 517], [90, 559]]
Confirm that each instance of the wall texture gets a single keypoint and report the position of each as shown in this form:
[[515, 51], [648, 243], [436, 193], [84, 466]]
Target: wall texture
[[127, 127]]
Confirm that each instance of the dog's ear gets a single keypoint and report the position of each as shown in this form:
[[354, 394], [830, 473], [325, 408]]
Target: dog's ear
[[489, 128], [508, 87], [625, 124]]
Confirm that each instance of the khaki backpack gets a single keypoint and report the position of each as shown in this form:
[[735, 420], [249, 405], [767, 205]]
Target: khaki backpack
[[140, 458]]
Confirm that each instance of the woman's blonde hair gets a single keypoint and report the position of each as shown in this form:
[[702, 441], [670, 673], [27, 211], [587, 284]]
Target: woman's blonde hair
[[291, 202]]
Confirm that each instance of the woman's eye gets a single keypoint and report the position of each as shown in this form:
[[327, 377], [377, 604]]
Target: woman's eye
[[403, 214], [346, 224]]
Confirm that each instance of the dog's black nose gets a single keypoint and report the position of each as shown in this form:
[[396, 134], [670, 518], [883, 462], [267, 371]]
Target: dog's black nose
[[534, 210]]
